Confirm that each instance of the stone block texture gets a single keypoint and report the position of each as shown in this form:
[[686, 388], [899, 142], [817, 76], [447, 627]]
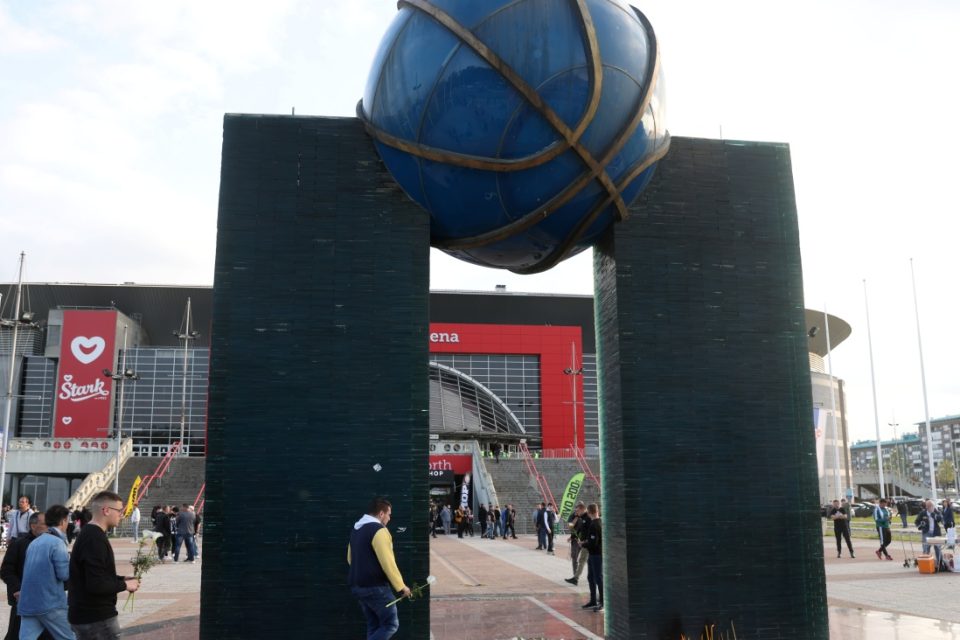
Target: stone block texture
[[708, 465], [318, 375]]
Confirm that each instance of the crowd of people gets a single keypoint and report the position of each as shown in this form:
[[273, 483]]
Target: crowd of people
[[178, 527], [491, 521], [61, 594], [933, 522], [56, 593]]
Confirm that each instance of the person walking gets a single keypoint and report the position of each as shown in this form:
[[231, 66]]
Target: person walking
[[841, 525], [549, 519], [594, 545], [497, 519], [11, 572], [538, 517], [578, 523], [460, 518], [135, 521], [482, 518], [902, 512], [94, 584], [186, 532], [373, 570], [928, 522], [161, 524], [948, 516], [43, 600], [445, 517], [18, 521], [510, 521], [881, 518], [432, 518]]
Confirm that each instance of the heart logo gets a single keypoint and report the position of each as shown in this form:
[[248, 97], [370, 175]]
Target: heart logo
[[66, 420], [86, 350]]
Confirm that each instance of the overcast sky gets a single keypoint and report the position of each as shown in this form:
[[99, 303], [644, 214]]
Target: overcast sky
[[111, 119]]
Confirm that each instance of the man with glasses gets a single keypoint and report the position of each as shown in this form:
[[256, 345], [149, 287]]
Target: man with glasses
[[94, 584]]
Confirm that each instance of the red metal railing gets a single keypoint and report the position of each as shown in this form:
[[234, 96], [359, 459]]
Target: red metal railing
[[200, 499], [542, 485], [582, 459], [160, 471]]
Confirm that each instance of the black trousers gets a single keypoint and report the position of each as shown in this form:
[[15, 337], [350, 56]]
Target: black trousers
[[843, 533], [885, 539], [595, 578], [510, 527]]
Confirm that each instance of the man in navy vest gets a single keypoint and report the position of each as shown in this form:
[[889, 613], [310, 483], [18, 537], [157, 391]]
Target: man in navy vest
[[373, 570]]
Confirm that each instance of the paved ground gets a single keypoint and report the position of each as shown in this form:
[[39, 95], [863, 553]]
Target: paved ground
[[480, 581]]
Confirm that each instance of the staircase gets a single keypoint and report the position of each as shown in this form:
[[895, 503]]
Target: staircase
[[898, 485], [181, 484], [515, 486]]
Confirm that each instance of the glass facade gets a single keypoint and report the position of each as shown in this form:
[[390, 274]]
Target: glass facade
[[37, 398], [152, 405], [512, 378], [460, 406]]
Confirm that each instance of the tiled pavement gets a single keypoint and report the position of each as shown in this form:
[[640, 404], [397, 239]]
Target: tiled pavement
[[522, 591]]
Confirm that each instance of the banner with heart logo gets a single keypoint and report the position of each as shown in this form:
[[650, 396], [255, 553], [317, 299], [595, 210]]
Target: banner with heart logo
[[84, 406]]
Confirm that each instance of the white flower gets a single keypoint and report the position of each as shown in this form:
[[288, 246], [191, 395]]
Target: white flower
[[152, 535]]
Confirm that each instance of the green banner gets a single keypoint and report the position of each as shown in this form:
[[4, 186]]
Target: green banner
[[569, 499]]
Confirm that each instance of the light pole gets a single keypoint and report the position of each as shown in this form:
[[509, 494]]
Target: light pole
[[573, 371], [186, 335], [122, 375], [18, 319]]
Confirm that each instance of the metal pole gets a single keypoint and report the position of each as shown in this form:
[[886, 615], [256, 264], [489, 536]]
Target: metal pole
[[923, 381], [573, 381], [833, 411], [873, 384], [123, 378], [183, 402], [4, 437]]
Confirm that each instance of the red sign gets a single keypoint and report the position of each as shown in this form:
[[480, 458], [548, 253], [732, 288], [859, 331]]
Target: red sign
[[552, 345], [84, 394], [459, 464]]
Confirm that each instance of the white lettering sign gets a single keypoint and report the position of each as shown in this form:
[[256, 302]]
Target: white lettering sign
[[79, 393], [444, 337]]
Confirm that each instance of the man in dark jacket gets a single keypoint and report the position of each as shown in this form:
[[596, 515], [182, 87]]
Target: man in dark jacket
[[928, 522], [594, 545], [578, 524], [482, 517], [94, 584], [840, 514], [162, 526], [11, 572]]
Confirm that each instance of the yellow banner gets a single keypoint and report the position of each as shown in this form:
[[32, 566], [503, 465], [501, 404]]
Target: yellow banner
[[132, 500]]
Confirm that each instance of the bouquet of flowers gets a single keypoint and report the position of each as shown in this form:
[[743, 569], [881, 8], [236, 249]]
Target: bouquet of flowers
[[144, 560], [416, 591]]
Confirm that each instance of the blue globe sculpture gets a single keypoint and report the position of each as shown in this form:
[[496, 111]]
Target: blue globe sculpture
[[525, 127]]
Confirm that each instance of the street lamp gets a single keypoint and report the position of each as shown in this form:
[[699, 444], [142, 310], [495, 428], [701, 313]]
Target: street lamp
[[573, 371], [122, 376], [24, 318], [186, 335]]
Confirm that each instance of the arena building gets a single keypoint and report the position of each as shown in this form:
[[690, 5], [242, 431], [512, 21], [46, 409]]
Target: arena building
[[507, 370]]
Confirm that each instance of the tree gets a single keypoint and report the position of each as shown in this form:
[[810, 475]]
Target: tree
[[946, 474], [897, 463]]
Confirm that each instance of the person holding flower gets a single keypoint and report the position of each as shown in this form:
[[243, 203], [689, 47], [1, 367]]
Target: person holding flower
[[94, 584], [373, 570]]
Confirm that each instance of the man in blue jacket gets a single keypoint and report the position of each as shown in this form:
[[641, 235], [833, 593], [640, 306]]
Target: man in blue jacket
[[43, 600]]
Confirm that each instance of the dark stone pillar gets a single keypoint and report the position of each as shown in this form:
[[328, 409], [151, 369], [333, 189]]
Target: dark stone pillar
[[318, 374], [706, 411]]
